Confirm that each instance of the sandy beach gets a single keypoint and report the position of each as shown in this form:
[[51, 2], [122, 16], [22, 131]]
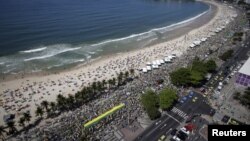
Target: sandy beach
[[23, 94]]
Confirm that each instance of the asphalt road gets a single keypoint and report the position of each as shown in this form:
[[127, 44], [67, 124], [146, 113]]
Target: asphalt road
[[154, 132], [171, 120]]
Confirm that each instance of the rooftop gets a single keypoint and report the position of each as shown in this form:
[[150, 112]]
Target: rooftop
[[245, 69]]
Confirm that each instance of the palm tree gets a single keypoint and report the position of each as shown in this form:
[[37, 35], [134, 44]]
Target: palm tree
[[126, 74], [11, 126], [99, 86], [94, 86], [2, 131], [104, 83], [61, 101], [45, 104], [27, 116], [114, 81], [71, 100], [52, 106], [132, 71], [89, 91], [110, 82], [21, 122], [39, 111], [119, 78]]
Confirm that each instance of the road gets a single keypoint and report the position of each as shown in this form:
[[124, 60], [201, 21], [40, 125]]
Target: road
[[173, 118]]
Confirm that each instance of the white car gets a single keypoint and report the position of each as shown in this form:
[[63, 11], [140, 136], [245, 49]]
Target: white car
[[176, 138], [183, 129]]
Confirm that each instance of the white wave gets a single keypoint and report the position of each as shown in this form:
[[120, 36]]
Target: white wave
[[88, 56], [34, 50], [92, 53], [9, 70], [2, 63], [54, 66], [52, 54], [152, 30], [81, 60]]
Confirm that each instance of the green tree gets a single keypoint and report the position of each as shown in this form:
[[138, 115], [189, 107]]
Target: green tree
[[52, 106], [226, 55], [94, 86], [167, 97], [180, 77], [61, 101], [113, 81], [99, 86], [196, 78], [11, 126], [245, 99], [27, 116], [2, 131], [70, 101], [150, 102], [39, 111], [126, 74], [110, 82], [104, 83], [21, 122], [211, 65], [45, 104], [199, 66], [132, 72]]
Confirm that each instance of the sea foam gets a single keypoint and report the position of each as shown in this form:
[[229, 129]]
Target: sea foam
[[34, 50], [51, 54]]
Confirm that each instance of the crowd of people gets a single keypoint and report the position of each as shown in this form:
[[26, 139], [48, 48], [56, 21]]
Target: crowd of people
[[69, 125]]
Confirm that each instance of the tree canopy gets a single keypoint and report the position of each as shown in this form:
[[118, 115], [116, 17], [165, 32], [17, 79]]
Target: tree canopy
[[180, 77], [193, 75], [226, 55], [150, 102], [166, 98], [211, 65]]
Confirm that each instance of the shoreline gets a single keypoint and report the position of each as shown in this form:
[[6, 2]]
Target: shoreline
[[175, 32], [70, 81]]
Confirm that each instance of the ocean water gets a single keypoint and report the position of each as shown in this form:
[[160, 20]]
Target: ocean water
[[40, 35]]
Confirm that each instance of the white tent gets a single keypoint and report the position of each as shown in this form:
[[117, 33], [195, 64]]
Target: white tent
[[154, 63], [148, 64], [219, 87], [203, 39], [148, 68], [192, 45], [144, 70], [155, 66], [167, 60], [171, 56], [158, 62], [162, 61], [220, 83], [197, 42], [212, 34]]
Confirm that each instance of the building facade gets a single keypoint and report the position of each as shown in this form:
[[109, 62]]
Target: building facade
[[243, 76]]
